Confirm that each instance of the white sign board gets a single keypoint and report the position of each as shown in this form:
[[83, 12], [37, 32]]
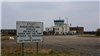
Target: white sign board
[[29, 31]]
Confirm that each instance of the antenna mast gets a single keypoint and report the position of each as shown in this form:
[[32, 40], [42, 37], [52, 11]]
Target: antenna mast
[[59, 18], [67, 20]]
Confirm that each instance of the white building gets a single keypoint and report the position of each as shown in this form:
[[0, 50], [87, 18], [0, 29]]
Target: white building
[[59, 28]]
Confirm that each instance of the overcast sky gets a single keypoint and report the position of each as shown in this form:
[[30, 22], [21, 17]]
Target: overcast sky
[[79, 13]]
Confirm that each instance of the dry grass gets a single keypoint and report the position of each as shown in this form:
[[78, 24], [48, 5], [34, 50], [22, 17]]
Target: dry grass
[[4, 38], [16, 51], [53, 46], [29, 52]]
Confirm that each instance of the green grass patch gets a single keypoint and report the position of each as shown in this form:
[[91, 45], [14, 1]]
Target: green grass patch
[[87, 35]]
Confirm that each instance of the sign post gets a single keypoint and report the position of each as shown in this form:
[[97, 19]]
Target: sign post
[[37, 49], [29, 32], [22, 49]]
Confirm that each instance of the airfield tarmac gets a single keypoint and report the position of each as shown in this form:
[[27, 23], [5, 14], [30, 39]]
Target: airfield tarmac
[[86, 46]]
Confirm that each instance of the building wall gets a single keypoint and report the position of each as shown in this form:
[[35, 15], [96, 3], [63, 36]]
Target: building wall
[[66, 29], [79, 30], [58, 30]]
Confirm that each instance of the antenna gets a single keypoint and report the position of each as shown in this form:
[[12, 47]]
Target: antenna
[[70, 25], [59, 18], [67, 20]]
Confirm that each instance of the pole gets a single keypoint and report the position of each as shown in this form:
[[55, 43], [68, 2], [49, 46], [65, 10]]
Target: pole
[[37, 49], [59, 18], [22, 49], [67, 20]]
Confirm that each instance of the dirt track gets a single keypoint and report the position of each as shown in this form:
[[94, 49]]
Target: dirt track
[[84, 45]]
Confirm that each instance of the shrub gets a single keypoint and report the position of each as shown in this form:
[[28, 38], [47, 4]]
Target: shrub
[[98, 32]]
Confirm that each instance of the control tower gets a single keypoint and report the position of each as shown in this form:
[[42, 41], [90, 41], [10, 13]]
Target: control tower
[[58, 22]]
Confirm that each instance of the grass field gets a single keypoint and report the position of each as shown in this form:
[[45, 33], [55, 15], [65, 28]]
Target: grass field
[[87, 35], [43, 52], [15, 50], [54, 46]]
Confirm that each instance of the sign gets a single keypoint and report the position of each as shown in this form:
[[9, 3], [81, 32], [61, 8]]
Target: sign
[[29, 31]]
